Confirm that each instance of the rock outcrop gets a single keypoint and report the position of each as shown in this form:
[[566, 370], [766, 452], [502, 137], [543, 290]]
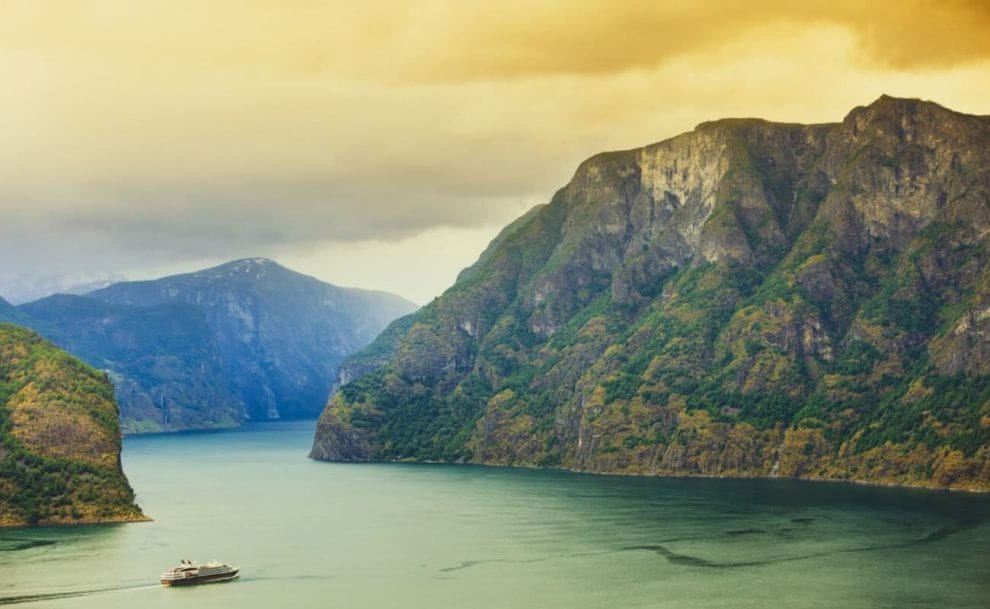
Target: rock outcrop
[[747, 299]]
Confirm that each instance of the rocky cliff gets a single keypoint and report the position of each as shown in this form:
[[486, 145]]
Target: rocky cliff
[[59, 438], [166, 367], [747, 299]]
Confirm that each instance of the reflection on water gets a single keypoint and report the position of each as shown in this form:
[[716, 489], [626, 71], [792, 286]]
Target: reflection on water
[[13, 544], [309, 534]]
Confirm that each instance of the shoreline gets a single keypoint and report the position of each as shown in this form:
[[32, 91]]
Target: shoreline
[[76, 523], [213, 430], [856, 481]]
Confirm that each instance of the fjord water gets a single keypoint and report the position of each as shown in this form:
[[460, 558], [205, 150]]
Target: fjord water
[[312, 534]]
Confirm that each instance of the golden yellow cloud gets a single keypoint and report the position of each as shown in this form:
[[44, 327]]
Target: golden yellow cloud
[[411, 40], [159, 131]]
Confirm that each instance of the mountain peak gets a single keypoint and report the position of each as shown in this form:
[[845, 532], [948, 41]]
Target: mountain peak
[[250, 263], [280, 333], [888, 106], [900, 121], [885, 102], [243, 267], [254, 262], [893, 99]]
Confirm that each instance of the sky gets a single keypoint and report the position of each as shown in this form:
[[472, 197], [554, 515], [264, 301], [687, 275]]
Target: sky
[[383, 144]]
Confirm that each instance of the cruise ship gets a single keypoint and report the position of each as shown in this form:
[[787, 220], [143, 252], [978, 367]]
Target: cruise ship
[[191, 572]]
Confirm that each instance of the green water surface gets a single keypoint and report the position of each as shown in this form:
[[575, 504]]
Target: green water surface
[[311, 534]]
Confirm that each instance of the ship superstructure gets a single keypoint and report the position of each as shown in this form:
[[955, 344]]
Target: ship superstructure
[[192, 572]]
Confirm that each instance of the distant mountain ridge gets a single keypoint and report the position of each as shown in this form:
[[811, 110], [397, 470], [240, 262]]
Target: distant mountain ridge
[[746, 299], [246, 339], [20, 290], [9, 313]]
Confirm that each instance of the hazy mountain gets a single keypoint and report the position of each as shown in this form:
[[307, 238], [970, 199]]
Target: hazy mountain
[[208, 349], [166, 366], [59, 438], [9, 313], [281, 334], [19, 290], [747, 299]]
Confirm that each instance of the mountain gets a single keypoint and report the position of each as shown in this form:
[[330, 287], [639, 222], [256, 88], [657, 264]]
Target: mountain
[[280, 334], [167, 369], [28, 288], [746, 299], [9, 313], [59, 438]]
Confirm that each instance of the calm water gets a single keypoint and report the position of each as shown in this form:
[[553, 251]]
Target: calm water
[[310, 534]]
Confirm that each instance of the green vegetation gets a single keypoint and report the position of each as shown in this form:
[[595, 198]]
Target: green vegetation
[[59, 438], [826, 323]]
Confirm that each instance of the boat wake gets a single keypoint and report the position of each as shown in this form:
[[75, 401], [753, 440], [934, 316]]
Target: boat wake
[[50, 596]]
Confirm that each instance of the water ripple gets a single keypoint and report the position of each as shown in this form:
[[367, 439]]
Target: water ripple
[[677, 558]]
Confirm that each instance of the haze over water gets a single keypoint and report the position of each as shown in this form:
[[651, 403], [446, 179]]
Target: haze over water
[[311, 534]]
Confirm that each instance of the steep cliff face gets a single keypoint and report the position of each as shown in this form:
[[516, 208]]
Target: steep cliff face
[[281, 334], [59, 438], [748, 299], [165, 364]]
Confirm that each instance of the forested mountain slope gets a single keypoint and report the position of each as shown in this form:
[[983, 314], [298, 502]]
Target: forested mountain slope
[[59, 438], [747, 299]]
